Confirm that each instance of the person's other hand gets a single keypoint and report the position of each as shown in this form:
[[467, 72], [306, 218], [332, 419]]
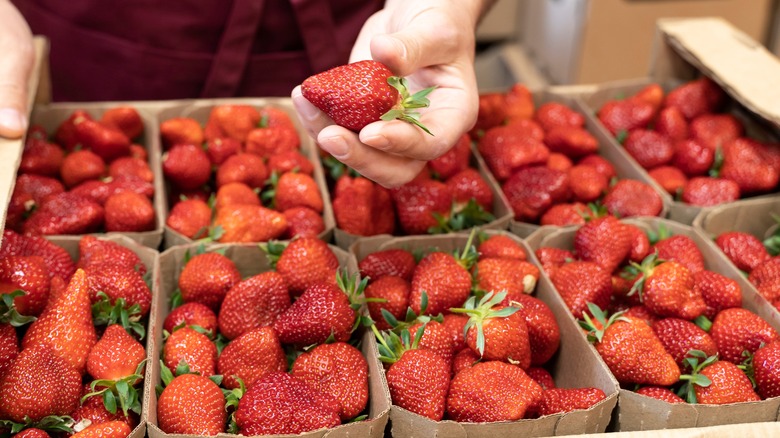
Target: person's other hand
[[18, 54], [431, 43]]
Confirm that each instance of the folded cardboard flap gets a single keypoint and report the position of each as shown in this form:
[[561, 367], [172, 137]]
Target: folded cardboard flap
[[754, 216]]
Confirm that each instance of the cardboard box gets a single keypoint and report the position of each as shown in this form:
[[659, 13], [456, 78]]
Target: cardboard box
[[574, 365], [637, 412], [251, 260], [200, 110], [151, 259]]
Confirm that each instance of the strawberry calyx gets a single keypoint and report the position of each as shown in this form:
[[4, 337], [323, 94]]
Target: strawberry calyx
[[481, 311], [717, 163], [106, 313], [273, 251], [468, 255], [594, 211], [8, 312], [49, 423], [232, 397], [411, 318], [336, 169], [121, 393], [641, 272], [772, 243], [167, 376], [598, 324], [461, 217], [407, 103], [392, 345], [268, 195], [697, 360]]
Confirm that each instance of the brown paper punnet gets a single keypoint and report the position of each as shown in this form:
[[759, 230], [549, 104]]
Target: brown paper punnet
[[251, 260], [151, 259], [50, 116], [200, 110], [638, 412], [575, 365]]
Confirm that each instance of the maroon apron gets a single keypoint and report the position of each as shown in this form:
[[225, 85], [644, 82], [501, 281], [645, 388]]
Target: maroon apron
[[158, 49]]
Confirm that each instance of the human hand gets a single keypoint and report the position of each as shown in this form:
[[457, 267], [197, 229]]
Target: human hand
[[16, 45], [430, 43]]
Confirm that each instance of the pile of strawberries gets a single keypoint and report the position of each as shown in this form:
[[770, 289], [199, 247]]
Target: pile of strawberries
[[548, 163], [757, 259], [463, 338], [278, 344], [81, 356], [700, 155], [677, 330], [240, 178], [89, 177], [448, 195]]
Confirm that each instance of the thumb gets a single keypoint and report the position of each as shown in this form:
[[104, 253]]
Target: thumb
[[412, 48], [15, 66]]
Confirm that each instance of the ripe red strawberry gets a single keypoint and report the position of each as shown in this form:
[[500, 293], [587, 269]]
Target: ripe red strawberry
[[500, 246], [736, 330], [111, 429], [559, 161], [206, 278], [65, 133], [394, 261], [40, 157], [236, 193], [219, 149], [745, 250], [682, 249], [363, 92], [417, 204], [66, 324], [519, 103], [303, 222], [601, 164], [129, 212], [455, 324], [745, 164], [492, 112], [187, 166], [491, 391], [297, 190], [192, 405], [82, 165], [249, 223], [253, 303], [623, 116], [435, 337], [131, 166], [118, 281], [468, 185], [574, 142], [670, 178], [631, 350], [279, 403], [57, 259], [29, 192], [515, 277], [268, 142], [465, 358], [765, 277], [630, 197], [671, 123], [339, 370], [41, 371], [718, 291], [727, 384], [668, 290], [107, 142], [418, 380], [32, 432], [454, 160], [305, 262], [715, 130], [660, 393], [543, 331], [29, 274], [766, 361], [551, 258], [445, 280], [125, 119], [580, 283], [289, 161], [562, 400], [692, 157], [99, 191], [395, 293], [115, 355], [561, 215], [181, 130], [192, 347], [250, 356], [652, 94], [531, 191], [605, 241], [706, 191], [65, 213], [190, 217], [507, 149], [189, 314], [352, 205], [235, 121], [555, 114], [696, 97], [94, 251], [138, 151], [640, 243], [243, 167], [528, 128], [679, 337], [9, 347], [586, 183]]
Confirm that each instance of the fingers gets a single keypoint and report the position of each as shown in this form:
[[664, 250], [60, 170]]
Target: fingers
[[416, 47], [15, 66]]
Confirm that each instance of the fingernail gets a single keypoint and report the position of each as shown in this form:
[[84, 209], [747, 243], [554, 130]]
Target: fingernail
[[336, 146], [377, 141], [305, 108], [12, 120]]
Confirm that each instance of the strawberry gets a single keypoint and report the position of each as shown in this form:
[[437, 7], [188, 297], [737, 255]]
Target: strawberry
[[99, 191], [605, 241], [129, 212], [249, 223], [745, 250], [527, 128], [630, 349], [718, 291], [515, 277], [66, 324], [363, 92], [107, 142], [455, 323], [250, 356], [190, 217], [394, 261], [562, 400], [115, 355], [574, 142], [243, 167], [692, 157], [640, 243], [705, 191], [268, 142], [737, 330], [32, 432], [273, 117], [29, 192], [491, 391], [339, 370], [66, 131], [456, 159], [532, 190], [543, 331], [507, 149], [305, 262], [558, 161], [465, 358], [181, 130], [586, 183], [444, 279], [82, 165], [253, 303], [561, 215], [118, 281], [219, 149], [649, 148], [671, 124], [555, 114], [190, 314], [297, 190], [111, 429], [717, 382], [601, 164], [187, 166], [279, 403], [290, 161], [236, 193], [395, 293], [9, 347], [303, 222], [660, 393], [765, 366], [652, 94], [468, 185], [191, 404], [679, 337], [765, 278], [682, 249], [57, 259], [500, 246], [552, 258], [667, 289], [235, 121], [419, 203], [125, 119], [130, 166], [352, 205], [193, 348], [41, 371], [29, 274], [138, 151], [745, 164], [206, 278], [580, 283], [630, 197], [40, 157], [94, 251], [670, 178], [622, 116], [696, 97], [492, 112], [715, 130], [93, 409], [65, 213]]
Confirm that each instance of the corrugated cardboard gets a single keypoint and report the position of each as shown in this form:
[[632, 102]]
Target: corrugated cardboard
[[151, 259], [637, 412], [752, 216], [575, 365], [251, 260], [200, 110], [50, 116]]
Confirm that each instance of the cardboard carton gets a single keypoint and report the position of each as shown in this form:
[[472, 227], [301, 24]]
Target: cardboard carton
[[575, 365], [251, 260]]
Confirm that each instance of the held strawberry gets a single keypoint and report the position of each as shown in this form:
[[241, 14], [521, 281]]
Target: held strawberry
[[363, 92]]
